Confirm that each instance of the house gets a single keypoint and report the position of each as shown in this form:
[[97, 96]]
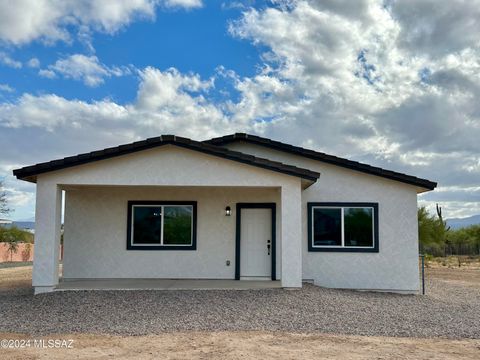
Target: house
[[5, 222], [237, 207]]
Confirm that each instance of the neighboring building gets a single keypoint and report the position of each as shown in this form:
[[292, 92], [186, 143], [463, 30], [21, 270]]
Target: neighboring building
[[5, 222], [159, 208], [28, 226]]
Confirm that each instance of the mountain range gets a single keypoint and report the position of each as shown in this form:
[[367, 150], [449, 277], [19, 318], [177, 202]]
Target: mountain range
[[457, 223]]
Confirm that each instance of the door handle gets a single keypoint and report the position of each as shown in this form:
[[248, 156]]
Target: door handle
[[268, 247]]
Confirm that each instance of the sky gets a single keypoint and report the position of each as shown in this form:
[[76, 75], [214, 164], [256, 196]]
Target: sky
[[394, 84]]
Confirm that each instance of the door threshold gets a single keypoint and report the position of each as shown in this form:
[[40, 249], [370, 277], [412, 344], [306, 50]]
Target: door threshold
[[256, 278]]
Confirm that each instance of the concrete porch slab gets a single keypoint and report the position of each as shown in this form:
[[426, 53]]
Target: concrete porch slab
[[165, 284]]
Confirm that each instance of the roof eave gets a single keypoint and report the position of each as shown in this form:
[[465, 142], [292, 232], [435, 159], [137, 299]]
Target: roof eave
[[424, 184], [29, 173]]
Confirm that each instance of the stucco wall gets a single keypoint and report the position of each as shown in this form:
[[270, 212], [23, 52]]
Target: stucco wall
[[96, 224], [95, 220], [167, 165], [395, 267]]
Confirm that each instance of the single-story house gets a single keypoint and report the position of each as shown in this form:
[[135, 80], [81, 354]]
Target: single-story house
[[5, 222], [237, 207]]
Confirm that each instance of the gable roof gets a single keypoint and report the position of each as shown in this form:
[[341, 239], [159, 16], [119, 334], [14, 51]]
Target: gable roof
[[29, 173], [330, 159]]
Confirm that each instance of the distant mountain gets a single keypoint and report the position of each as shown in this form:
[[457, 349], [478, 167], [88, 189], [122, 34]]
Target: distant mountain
[[458, 223], [24, 224]]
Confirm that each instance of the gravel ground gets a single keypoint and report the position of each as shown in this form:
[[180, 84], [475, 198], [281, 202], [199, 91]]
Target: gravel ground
[[448, 310]]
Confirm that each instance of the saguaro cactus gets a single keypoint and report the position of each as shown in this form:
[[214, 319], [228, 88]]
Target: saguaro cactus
[[443, 229]]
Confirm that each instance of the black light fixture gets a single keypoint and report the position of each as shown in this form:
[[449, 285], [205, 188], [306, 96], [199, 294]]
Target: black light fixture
[[228, 211]]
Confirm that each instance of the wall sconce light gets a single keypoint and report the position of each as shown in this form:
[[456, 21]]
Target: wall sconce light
[[228, 211]]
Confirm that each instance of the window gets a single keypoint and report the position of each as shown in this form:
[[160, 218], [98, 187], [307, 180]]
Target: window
[[166, 225], [343, 227]]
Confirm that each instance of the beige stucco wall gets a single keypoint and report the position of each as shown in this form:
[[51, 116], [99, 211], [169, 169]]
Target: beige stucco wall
[[395, 267], [96, 234], [95, 220], [167, 165]]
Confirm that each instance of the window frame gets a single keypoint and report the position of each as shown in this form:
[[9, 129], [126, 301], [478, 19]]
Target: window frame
[[342, 205], [160, 246]]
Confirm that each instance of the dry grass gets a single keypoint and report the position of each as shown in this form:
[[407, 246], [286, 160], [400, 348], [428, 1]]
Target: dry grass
[[15, 277], [452, 262]]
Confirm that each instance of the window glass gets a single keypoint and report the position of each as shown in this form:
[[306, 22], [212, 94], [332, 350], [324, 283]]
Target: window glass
[[358, 223], [327, 227], [177, 226], [147, 224]]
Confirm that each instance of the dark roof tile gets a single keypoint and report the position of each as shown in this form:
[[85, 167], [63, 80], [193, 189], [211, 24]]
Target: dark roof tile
[[29, 173], [331, 159]]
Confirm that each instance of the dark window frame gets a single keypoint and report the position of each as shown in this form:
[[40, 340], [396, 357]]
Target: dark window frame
[[132, 203], [311, 248]]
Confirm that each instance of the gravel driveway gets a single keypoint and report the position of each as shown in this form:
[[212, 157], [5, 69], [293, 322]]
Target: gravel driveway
[[449, 310]]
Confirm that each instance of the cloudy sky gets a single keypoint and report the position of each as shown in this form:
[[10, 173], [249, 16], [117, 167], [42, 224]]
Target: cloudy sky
[[391, 83]]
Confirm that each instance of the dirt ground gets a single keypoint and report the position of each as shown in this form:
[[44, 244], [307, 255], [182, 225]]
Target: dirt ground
[[245, 344], [248, 345], [459, 276], [15, 277]]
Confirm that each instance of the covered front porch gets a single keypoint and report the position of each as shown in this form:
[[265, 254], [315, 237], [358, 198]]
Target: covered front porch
[[168, 208], [96, 254]]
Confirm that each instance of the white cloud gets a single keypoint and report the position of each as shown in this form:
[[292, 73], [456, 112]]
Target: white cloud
[[83, 68], [33, 63], [187, 4], [6, 88], [22, 21], [166, 101], [5, 59], [17, 198], [170, 88], [47, 73]]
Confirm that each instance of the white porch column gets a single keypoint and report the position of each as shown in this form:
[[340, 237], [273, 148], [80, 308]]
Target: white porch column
[[48, 211], [291, 204]]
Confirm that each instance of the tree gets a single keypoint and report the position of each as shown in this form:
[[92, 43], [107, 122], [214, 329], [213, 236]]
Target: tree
[[3, 200], [466, 240], [474, 231], [12, 237], [432, 231], [427, 230]]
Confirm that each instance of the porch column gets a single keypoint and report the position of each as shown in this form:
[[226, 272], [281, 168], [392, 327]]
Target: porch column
[[291, 204], [47, 237]]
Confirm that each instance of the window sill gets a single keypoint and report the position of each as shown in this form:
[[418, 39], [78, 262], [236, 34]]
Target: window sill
[[327, 249], [161, 248]]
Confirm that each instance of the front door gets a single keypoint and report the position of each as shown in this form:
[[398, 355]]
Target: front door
[[256, 243]]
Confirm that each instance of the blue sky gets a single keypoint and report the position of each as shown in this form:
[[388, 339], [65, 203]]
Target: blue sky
[[189, 40], [392, 84]]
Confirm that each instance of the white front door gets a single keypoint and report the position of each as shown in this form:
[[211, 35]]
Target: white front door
[[256, 244]]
